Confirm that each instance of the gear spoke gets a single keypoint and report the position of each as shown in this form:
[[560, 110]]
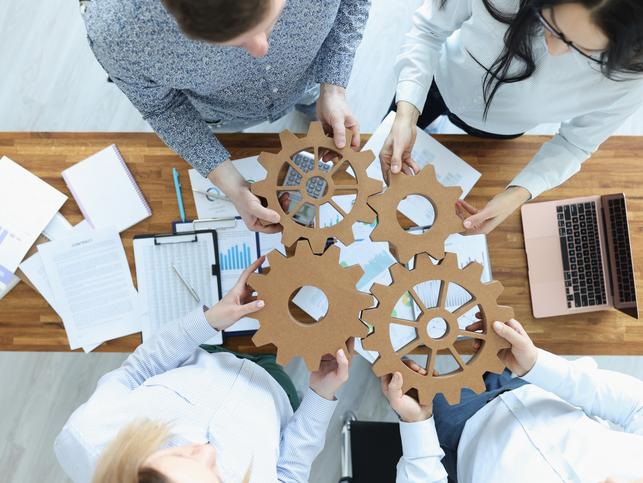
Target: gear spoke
[[473, 335], [294, 166], [316, 163], [430, 363], [417, 300], [442, 295], [463, 309], [404, 322], [336, 167], [317, 220], [338, 208], [408, 348], [288, 188], [345, 187], [458, 358]]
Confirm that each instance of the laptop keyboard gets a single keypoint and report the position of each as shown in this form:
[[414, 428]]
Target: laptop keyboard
[[620, 237], [581, 251]]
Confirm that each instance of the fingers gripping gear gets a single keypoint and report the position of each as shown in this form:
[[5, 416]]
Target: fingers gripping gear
[[483, 295], [317, 142], [328, 335], [404, 244]]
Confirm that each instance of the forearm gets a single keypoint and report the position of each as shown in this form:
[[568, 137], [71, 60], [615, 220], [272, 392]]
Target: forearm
[[334, 61], [606, 394], [166, 350], [555, 162], [421, 454], [303, 438]]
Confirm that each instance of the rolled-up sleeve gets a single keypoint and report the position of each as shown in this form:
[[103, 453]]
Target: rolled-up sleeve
[[334, 61]]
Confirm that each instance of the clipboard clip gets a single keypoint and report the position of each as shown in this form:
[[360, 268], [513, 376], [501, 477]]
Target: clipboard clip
[[174, 239]]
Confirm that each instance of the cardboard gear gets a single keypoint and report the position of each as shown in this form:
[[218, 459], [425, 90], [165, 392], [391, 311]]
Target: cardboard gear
[[317, 141], [329, 334], [404, 244], [470, 373]]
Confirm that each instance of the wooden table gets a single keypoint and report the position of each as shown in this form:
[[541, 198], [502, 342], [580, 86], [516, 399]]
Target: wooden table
[[27, 323]]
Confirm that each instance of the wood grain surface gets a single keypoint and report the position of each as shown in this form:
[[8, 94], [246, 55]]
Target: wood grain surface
[[27, 323]]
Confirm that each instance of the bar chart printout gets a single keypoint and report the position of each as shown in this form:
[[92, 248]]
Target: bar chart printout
[[237, 257]]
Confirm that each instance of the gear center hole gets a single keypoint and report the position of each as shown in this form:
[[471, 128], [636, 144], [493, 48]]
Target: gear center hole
[[419, 210], [437, 328], [308, 305]]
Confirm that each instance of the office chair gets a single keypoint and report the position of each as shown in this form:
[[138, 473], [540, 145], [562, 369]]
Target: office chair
[[370, 451]]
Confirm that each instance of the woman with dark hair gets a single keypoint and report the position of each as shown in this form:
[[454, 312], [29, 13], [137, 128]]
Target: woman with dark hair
[[498, 68]]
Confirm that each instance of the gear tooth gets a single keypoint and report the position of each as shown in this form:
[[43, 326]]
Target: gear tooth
[[496, 366], [365, 157], [365, 300], [428, 171], [452, 395], [422, 262], [397, 271], [260, 188], [316, 129], [376, 201], [332, 254], [360, 329], [317, 244], [478, 386], [345, 233], [257, 282], [261, 337], [286, 138], [376, 234], [288, 238], [474, 270], [504, 313], [268, 160], [379, 291], [284, 357], [378, 367], [275, 258], [355, 272], [302, 247], [494, 288], [450, 261], [455, 192]]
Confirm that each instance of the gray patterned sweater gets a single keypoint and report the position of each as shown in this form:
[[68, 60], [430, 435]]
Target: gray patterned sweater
[[178, 84]]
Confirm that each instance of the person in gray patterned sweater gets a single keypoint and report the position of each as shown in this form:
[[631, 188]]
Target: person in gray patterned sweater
[[192, 66]]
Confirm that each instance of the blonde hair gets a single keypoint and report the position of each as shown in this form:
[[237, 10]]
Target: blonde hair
[[122, 460]]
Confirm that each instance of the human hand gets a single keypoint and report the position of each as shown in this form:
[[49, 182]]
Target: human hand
[[237, 303], [336, 116], [256, 216], [521, 357], [332, 372], [495, 212], [406, 406], [395, 155]]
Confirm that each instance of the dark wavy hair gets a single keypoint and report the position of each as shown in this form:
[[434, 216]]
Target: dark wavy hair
[[620, 20]]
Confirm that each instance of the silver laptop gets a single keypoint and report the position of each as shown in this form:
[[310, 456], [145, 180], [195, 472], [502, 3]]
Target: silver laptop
[[579, 256]]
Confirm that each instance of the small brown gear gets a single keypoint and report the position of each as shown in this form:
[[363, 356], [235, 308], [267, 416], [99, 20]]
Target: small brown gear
[[287, 275], [484, 296], [404, 244], [317, 142]]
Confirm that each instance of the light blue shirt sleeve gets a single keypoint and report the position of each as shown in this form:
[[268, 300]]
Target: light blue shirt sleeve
[[421, 454], [303, 437], [609, 395]]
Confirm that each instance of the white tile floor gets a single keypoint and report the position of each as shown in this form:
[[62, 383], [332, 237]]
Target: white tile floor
[[51, 82]]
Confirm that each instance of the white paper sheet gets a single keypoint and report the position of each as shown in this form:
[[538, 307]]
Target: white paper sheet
[[34, 269], [27, 204], [251, 171], [92, 286]]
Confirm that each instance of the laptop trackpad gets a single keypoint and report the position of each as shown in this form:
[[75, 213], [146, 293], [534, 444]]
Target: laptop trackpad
[[545, 260]]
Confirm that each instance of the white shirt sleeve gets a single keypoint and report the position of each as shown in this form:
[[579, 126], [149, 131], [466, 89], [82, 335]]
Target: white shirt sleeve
[[421, 454], [303, 437], [420, 52], [561, 157], [168, 349], [609, 395]]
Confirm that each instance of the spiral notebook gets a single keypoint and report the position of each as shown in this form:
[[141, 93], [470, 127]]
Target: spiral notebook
[[106, 192]]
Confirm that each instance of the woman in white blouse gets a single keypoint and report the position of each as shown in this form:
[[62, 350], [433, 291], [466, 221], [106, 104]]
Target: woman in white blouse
[[498, 68], [174, 412]]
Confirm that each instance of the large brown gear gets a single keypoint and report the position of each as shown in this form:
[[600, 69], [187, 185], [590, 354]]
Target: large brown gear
[[403, 243], [484, 295], [285, 276], [318, 142]]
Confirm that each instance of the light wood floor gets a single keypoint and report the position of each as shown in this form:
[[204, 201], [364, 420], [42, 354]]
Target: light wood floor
[[51, 82]]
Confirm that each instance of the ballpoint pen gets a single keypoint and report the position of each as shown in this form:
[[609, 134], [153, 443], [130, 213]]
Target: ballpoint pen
[[212, 196], [179, 196], [187, 285]]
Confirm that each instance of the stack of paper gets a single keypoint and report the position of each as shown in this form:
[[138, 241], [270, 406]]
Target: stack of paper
[[27, 205]]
